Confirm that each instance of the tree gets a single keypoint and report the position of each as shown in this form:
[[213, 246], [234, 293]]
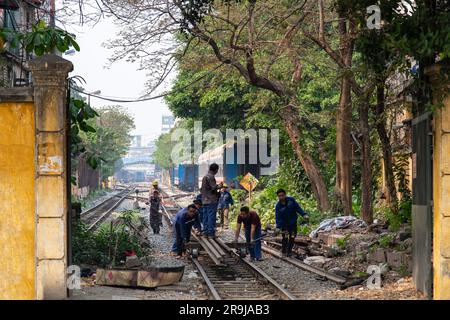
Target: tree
[[340, 20], [260, 40], [111, 138], [411, 30], [218, 101], [163, 151], [223, 100]]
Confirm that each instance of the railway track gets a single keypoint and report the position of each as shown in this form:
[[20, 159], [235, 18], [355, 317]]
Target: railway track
[[231, 278], [94, 216]]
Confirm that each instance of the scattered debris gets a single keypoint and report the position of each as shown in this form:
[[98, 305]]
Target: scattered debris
[[338, 223], [316, 261]]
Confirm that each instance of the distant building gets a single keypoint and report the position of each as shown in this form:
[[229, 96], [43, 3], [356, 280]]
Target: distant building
[[138, 161], [136, 141], [19, 16], [167, 123]]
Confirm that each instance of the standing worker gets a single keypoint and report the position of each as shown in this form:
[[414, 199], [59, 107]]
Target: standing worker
[[155, 213], [286, 216], [155, 187], [252, 227], [185, 219], [210, 197], [225, 201]]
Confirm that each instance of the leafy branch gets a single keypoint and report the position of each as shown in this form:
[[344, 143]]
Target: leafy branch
[[40, 40]]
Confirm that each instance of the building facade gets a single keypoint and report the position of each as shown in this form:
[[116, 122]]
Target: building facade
[[19, 16]]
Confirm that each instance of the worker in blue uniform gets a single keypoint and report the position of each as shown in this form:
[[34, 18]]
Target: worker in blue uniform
[[225, 201], [287, 211], [210, 197], [200, 210], [185, 219]]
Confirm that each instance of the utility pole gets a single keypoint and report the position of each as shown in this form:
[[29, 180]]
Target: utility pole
[[94, 93]]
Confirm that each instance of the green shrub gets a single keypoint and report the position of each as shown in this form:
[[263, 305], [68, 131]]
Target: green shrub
[[342, 243], [403, 215], [104, 247], [304, 230], [386, 240]]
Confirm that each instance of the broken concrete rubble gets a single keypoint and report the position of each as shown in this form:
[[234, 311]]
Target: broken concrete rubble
[[377, 256], [316, 261], [340, 272], [398, 260]]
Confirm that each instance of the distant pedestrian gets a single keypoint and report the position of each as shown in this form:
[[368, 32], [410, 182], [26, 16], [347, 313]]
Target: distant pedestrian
[[185, 219], [136, 205], [225, 201], [252, 227], [210, 197], [286, 215], [155, 213]]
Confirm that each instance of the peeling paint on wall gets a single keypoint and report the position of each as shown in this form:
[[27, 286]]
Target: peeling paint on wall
[[17, 201]]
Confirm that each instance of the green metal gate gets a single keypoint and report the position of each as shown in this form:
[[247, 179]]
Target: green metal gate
[[422, 175]]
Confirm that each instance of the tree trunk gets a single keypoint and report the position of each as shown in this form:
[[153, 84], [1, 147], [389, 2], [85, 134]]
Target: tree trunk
[[344, 149], [290, 121], [343, 189], [391, 191], [366, 163]]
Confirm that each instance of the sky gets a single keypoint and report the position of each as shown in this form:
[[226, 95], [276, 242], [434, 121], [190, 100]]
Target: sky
[[122, 79]]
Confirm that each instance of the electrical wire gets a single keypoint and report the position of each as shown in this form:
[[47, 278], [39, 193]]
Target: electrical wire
[[120, 100]]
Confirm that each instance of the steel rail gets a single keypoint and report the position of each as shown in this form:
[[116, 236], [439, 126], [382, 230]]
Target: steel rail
[[201, 241], [280, 289], [108, 212], [215, 248], [100, 204], [306, 267], [167, 214], [208, 282]]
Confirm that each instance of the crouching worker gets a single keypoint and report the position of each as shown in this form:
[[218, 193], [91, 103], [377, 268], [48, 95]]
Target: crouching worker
[[185, 219], [252, 227], [155, 213], [198, 200]]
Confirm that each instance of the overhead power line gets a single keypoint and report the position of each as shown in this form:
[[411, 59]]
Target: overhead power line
[[124, 100]]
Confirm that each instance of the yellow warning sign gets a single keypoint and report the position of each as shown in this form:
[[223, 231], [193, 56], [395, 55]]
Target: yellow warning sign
[[249, 182]]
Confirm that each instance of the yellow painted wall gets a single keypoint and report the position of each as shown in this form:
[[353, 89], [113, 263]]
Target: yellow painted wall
[[17, 201], [441, 200]]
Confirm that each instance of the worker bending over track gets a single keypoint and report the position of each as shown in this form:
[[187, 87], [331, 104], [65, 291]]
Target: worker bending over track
[[286, 216], [252, 227], [185, 219]]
